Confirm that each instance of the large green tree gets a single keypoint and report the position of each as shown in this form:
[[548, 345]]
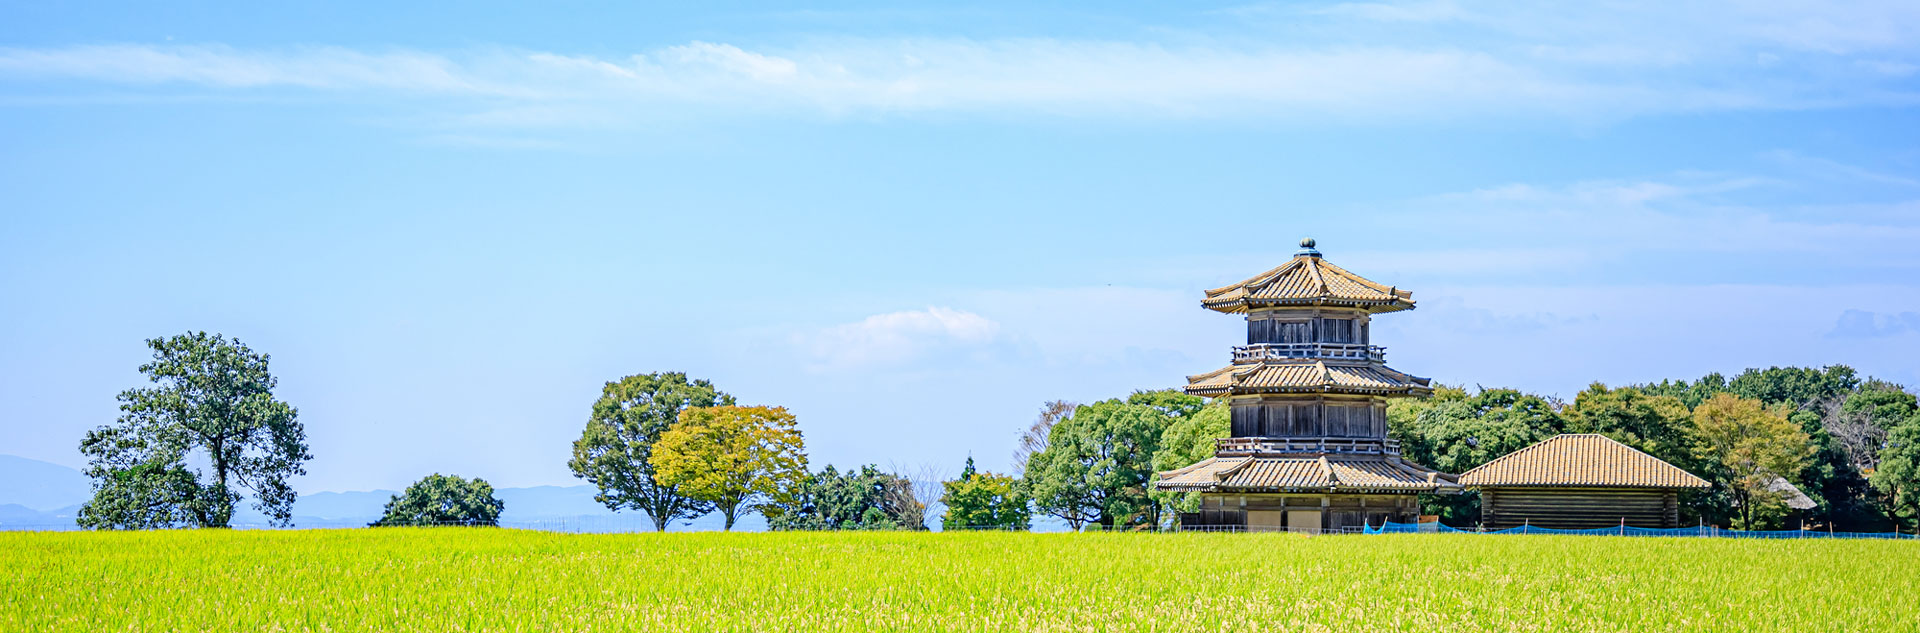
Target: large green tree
[[1794, 387], [615, 449], [1097, 464], [184, 449], [1752, 447], [1835, 408], [1657, 425], [864, 498], [736, 458], [443, 500], [1186, 442], [1454, 431], [1456, 435], [982, 500], [1898, 475]]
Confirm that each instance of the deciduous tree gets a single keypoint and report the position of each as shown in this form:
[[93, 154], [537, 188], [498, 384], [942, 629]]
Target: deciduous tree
[[1656, 425], [1097, 463], [614, 450], [443, 500], [982, 500], [865, 498], [1453, 431], [1898, 477], [1034, 439], [1753, 446], [734, 457], [1186, 442], [183, 450]]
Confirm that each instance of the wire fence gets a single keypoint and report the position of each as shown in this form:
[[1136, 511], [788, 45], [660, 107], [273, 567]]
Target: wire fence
[[1705, 531], [633, 524]]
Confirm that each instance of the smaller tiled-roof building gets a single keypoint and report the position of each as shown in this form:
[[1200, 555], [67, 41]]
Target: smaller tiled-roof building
[[1580, 481]]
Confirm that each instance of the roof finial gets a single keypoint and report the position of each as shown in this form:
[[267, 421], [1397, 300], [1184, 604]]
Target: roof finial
[[1306, 249]]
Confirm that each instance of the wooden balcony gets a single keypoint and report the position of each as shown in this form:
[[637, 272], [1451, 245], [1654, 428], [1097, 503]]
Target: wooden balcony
[[1281, 351], [1245, 446]]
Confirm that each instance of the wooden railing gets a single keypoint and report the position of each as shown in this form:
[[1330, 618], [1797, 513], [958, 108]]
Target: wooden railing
[[1280, 351], [1232, 446]]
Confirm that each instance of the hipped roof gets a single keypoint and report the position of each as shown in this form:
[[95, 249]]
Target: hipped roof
[[1580, 460], [1316, 376], [1307, 280], [1319, 473]]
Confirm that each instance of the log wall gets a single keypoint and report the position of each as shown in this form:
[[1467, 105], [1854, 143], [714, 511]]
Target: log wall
[[1579, 508]]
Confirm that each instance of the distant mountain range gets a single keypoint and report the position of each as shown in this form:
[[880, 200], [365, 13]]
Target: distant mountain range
[[37, 494]]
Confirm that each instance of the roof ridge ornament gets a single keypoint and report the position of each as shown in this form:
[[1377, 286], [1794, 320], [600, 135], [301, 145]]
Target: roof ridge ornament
[[1306, 249]]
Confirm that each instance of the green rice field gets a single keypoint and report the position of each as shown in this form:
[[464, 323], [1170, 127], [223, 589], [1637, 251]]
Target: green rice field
[[468, 579]]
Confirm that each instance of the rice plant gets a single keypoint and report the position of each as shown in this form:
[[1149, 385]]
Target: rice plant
[[480, 579]]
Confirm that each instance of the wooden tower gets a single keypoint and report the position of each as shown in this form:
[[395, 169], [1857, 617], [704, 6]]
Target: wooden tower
[[1309, 448]]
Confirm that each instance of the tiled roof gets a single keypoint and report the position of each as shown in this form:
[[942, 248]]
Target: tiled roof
[[1307, 280], [1580, 460], [1254, 474], [1304, 376]]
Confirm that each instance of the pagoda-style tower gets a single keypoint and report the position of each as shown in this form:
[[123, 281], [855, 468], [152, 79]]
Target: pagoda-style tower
[[1309, 448]]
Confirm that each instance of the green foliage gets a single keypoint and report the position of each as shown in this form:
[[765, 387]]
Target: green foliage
[[1456, 435], [1173, 403], [1832, 407], [1752, 446], [1097, 463], [213, 404], [1187, 441], [1898, 476], [1844, 496], [864, 499], [1794, 386], [1689, 393], [736, 458], [1454, 432], [1883, 404], [443, 500], [614, 450], [1657, 425], [977, 500], [431, 581]]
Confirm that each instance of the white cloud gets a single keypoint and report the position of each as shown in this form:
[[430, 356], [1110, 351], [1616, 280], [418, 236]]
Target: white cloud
[[1722, 215], [899, 337], [1425, 11], [1383, 62]]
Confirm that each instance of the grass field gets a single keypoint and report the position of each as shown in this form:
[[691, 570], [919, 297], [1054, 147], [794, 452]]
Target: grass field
[[454, 579]]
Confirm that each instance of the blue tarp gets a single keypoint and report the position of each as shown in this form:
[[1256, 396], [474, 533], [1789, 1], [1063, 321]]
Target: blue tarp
[[1694, 532]]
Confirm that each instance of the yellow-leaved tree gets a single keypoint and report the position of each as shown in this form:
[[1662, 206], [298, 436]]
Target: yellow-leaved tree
[[1755, 449], [737, 458]]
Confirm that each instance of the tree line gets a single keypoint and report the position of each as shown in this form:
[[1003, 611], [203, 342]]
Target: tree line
[[675, 448], [1850, 444]]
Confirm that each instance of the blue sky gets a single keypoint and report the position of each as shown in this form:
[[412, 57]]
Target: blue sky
[[913, 224]]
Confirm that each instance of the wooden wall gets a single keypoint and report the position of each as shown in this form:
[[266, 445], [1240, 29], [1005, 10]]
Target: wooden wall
[[1310, 325], [1337, 511], [1579, 508], [1315, 416]]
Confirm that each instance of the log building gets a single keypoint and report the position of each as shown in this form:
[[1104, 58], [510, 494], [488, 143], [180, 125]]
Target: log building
[[1579, 481], [1308, 449]]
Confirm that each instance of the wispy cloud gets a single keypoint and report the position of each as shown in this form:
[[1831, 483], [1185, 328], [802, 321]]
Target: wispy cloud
[[1865, 324], [1377, 62], [894, 338], [1685, 213]]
